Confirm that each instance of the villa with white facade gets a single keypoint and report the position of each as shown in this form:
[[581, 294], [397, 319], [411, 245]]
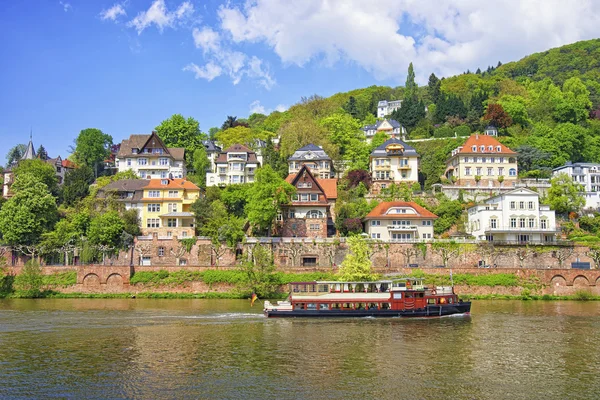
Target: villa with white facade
[[391, 127], [149, 158], [237, 164], [587, 175], [399, 221], [385, 108], [315, 158], [514, 216]]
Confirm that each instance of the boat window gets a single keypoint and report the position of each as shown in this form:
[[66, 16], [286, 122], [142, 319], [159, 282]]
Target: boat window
[[373, 306], [385, 306], [409, 295], [313, 288], [323, 306], [347, 305], [311, 306], [323, 288], [336, 306], [299, 306], [295, 288], [360, 306], [421, 294], [397, 295], [449, 300], [430, 301]]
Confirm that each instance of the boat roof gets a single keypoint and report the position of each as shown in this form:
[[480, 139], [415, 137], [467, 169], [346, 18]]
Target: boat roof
[[357, 282]]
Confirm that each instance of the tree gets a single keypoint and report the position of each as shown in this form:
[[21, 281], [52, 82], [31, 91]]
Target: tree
[[232, 122], [378, 139], [201, 207], [236, 135], [516, 108], [43, 172], [301, 131], [496, 116], [448, 212], [29, 213], [266, 197], [177, 131], [106, 229], [92, 147], [357, 264], [564, 195], [259, 268], [77, 184], [15, 154], [30, 281], [447, 250], [201, 166], [434, 88], [531, 158], [224, 230], [357, 176], [273, 158], [350, 107], [42, 154], [410, 86], [396, 192], [235, 198]]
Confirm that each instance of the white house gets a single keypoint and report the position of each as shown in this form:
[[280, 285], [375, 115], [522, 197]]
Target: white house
[[237, 164], [149, 157], [587, 175], [315, 158], [385, 108], [393, 162], [513, 216], [390, 127], [399, 221]]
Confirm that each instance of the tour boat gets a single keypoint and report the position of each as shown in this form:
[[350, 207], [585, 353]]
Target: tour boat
[[406, 297]]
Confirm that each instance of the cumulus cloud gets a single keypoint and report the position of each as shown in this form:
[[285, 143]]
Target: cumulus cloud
[[443, 36], [113, 13], [158, 15], [206, 39]]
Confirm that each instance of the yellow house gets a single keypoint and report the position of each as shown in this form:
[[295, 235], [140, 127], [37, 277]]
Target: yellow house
[[166, 207]]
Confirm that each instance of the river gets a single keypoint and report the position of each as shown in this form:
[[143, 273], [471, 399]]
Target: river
[[223, 349]]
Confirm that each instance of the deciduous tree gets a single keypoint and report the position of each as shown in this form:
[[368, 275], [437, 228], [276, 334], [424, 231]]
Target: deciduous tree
[[564, 195], [92, 147], [357, 266]]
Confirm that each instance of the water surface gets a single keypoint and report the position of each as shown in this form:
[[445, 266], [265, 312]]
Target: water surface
[[159, 349]]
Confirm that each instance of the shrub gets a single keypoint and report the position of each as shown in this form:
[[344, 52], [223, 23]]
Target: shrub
[[443, 132], [462, 130], [30, 281]]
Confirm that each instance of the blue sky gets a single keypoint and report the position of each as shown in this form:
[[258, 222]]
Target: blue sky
[[125, 66]]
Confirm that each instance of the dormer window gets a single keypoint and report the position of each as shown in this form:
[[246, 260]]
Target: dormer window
[[498, 149], [134, 151], [164, 182], [490, 148], [482, 148], [474, 148]]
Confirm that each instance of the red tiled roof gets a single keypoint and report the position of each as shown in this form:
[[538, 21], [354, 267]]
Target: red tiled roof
[[379, 212], [329, 185], [68, 164], [172, 184], [484, 140]]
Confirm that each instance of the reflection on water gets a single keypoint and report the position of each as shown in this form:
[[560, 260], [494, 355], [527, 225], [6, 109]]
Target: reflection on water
[[123, 348]]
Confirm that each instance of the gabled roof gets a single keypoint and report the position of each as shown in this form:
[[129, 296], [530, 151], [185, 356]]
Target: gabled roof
[[237, 148], [392, 122], [211, 146], [125, 185], [380, 151], [170, 184], [380, 211], [484, 140], [68, 164], [309, 152], [141, 141], [327, 186]]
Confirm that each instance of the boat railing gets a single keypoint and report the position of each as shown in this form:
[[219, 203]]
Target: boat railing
[[443, 290]]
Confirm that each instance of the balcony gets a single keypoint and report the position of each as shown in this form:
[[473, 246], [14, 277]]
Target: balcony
[[509, 229], [402, 227], [404, 167], [382, 167]]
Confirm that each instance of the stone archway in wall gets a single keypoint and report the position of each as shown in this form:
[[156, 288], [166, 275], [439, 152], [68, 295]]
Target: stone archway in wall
[[581, 281], [114, 281], [91, 280], [558, 280]]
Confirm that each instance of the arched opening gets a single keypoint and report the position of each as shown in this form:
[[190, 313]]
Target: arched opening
[[581, 281], [558, 280], [91, 280], [114, 280]]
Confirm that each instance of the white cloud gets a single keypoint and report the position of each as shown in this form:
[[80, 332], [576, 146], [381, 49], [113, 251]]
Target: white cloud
[[66, 6], [209, 72], [446, 37], [233, 63], [206, 39], [158, 15], [256, 107], [113, 13]]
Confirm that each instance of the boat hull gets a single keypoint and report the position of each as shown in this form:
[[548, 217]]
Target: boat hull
[[429, 311]]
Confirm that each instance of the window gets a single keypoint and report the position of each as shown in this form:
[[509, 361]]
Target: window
[[163, 161], [164, 182], [426, 223], [154, 193], [513, 222], [500, 171], [468, 171], [152, 223], [492, 159], [314, 197], [493, 223], [498, 149], [161, 251], [309, 261], [184, 234], [375, 235], [483, 159], [222, 170], [375, 223], [291, 214], [304, 185], [142, 161], [513, 205], [482, 148], [172, 222], [490, 171], [153, 207], [172, 207], [173, 193], [315, 227], [182, 261], [158, 151], [129, 162], [521, 222], [544, 223], [531, 222], [521, 205], [479, 159], [314, 214], [490, 148], [236, 166], [501, 160], [474, 148], [512, 172], [531, 205], [478, 171], [163, 174]]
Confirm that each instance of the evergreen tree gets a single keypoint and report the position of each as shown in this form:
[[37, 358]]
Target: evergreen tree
[[411, 85], [351, 108], [434, 88], [478, 72], [42, 154]]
